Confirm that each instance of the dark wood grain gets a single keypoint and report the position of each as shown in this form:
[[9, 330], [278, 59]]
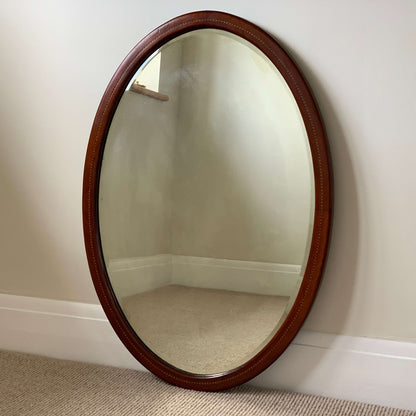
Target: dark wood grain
[[321, 226]]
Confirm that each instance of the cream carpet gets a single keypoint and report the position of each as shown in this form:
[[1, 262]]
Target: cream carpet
[[37, 386], [204, 331]]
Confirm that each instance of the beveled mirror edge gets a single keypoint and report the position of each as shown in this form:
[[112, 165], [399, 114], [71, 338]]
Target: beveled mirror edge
[[321, 227]]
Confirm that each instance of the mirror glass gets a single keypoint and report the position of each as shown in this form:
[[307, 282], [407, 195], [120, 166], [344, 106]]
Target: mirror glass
[[206, 201]]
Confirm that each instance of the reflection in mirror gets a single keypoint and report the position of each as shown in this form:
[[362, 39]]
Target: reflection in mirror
[[206, 201]]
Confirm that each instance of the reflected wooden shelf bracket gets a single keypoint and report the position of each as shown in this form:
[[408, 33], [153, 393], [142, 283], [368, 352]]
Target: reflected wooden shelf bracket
[[141, 89]]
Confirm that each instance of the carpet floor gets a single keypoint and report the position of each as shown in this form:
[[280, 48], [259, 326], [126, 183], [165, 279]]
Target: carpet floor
[[33, 385], [204, 331]]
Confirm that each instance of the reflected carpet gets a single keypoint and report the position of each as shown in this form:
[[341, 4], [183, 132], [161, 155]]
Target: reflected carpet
[[204, 331]]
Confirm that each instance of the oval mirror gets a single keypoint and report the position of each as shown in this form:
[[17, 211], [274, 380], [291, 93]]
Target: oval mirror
[[206, 201]]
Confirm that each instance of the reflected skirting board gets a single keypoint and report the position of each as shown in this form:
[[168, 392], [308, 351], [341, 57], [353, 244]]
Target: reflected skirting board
[[130, 276], [362, 369]]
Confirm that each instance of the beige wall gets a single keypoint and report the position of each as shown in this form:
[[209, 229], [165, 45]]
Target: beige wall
[[136, 175], [221, 170], [137, 170], [359, 58], [242, 175]]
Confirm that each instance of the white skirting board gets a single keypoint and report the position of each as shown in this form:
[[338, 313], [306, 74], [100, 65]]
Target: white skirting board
[[368, 370], [248, 276], [138, 274]]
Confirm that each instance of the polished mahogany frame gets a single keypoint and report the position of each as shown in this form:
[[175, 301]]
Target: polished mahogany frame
[[317, 141]]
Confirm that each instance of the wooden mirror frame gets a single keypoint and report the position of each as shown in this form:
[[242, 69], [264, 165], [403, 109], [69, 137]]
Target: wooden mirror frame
[[317, 254]]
